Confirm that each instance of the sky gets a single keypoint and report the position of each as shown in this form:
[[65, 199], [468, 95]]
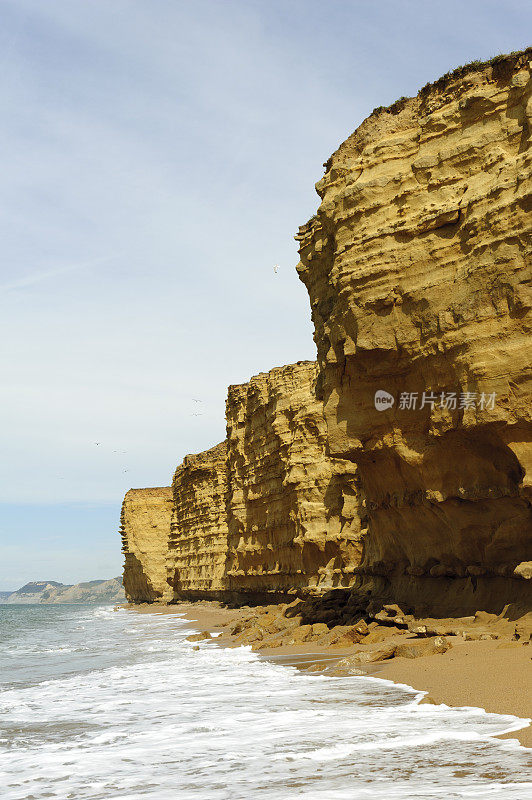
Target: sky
[[157, 158]]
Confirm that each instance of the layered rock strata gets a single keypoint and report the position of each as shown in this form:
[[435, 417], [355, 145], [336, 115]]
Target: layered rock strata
[[197, 547], [291, 511], [417, 479], [417, 265], [145, 529], [264, 514]]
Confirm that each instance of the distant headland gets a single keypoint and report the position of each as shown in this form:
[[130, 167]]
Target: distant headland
[[98, 591]]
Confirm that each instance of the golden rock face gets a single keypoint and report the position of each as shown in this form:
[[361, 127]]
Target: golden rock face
[[418, 268], [266, 511], [292, 511], [197, 545], [145, 530], [400, 465]]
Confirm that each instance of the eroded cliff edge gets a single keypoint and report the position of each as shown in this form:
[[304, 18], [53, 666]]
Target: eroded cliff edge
[[417, 265], [197, 546], [145, 530], [291, 512], [264, 514]]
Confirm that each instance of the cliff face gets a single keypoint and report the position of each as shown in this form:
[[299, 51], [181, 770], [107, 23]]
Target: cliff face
[[418, 269], [264, 512], [145, 530], [404, 468], [292, 519], [198, 540]]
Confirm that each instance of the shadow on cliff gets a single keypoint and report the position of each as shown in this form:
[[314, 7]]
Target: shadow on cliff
[[137, 586]]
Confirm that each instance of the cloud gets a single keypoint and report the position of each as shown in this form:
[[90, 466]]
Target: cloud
[[37, 277], [185, 140]]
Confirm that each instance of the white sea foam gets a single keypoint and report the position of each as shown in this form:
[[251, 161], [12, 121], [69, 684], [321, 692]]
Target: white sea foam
[[144, 714]]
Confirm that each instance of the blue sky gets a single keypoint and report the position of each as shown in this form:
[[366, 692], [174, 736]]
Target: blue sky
[[157, 158]]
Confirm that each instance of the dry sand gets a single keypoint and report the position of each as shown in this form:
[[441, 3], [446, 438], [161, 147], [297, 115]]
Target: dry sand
[[494, 675]]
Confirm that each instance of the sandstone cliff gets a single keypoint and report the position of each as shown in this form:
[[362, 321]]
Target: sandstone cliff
[[417, 264], [265, 512], [197, 548], [292, 518], [402, 470], [145, 530]]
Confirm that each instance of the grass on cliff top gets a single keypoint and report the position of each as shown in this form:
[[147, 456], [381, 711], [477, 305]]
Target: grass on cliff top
[[502, 60]]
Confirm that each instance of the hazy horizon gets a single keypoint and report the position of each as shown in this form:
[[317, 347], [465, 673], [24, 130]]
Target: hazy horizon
[[157, 163], [53, 582]]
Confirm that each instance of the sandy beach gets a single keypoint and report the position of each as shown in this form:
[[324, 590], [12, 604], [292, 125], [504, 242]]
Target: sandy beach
[[492, 674]]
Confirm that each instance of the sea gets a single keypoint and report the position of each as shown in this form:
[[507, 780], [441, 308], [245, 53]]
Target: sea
[[100, 703]]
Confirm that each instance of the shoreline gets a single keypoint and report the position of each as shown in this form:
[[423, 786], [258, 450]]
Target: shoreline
[[491, 674]]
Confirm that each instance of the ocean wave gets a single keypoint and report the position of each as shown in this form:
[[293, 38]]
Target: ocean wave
[[152, 716]]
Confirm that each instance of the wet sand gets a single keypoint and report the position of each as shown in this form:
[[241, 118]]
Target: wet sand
[[495, 675]]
